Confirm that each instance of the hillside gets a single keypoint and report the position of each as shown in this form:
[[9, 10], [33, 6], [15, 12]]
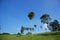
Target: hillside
[[43, 36]]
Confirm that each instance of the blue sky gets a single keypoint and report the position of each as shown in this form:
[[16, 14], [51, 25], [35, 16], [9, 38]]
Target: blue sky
[[13, 13]]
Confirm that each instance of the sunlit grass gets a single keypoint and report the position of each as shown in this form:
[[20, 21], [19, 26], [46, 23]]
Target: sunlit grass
[[43, 36]]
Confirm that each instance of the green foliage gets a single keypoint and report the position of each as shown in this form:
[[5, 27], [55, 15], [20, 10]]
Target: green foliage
[[55, 25], [31, 15], [50, 33], [45, 18]]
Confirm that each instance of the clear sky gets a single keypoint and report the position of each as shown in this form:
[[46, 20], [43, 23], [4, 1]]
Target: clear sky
[[13, 13]]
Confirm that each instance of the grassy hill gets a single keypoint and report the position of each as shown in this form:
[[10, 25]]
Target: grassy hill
[[43, 36]]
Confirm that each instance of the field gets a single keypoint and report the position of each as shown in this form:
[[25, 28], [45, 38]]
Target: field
[[42, 36]]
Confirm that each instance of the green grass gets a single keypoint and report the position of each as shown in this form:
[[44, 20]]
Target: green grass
[[43, 36]]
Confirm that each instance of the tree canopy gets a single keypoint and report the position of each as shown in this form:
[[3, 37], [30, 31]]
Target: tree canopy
[[45, 18], [31, 15]]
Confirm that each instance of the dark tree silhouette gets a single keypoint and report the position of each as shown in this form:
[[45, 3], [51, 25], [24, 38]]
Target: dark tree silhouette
[[31, 15], [45, 18], [55, 25]]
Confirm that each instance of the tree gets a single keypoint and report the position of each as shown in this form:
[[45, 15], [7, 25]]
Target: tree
[[55, 25], [31, 15], [45, 18]]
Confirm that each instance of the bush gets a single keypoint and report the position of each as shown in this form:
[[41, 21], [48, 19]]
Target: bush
[[5, 34]]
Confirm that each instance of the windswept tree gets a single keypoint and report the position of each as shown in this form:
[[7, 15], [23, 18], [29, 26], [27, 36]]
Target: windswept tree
[[45, 18]]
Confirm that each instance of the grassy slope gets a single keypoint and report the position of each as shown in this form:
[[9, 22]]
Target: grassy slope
[[44, 36]]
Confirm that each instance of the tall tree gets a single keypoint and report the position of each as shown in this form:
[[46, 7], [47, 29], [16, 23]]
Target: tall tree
[[45, 18]]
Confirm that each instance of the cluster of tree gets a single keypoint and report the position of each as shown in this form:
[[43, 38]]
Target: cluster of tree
[[53, 26], [45, 18]]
